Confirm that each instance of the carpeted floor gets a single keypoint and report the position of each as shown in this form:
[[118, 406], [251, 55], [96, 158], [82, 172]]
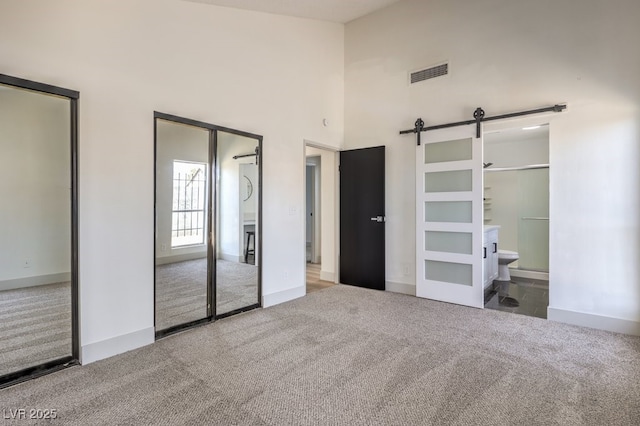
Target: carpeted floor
[[350, 356], [35, 326], [35, 322], [181, 290]]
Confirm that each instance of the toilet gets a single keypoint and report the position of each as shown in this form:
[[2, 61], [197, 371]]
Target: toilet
[[505, 257]]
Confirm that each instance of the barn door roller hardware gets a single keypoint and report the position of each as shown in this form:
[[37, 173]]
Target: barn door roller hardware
[[478, 117]]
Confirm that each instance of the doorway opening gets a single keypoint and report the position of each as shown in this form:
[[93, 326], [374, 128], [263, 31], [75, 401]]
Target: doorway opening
[[320, 217], [516, 199]]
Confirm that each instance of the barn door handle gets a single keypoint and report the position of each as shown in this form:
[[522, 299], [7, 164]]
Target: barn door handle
[[378, 219]]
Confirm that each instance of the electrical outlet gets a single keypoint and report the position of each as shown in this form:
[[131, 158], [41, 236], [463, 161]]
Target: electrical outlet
[[27, 264], [293, 210], [406, 269]]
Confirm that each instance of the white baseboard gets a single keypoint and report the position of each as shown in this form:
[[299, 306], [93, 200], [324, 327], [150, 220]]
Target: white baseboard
[[283, 296], [35, 281], [116, 345], [534, 275], [328, 276], [403, 288], [180, 258], [617, 325], [232, 257]]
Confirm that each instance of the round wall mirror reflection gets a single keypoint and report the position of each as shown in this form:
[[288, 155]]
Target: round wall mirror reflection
[[248, 189]]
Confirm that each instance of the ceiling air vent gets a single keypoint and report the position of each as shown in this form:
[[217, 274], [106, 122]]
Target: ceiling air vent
[[432, 72]]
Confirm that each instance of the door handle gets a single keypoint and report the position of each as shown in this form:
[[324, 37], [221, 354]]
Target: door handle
[[495, 247], [484, 252], [378, 219]]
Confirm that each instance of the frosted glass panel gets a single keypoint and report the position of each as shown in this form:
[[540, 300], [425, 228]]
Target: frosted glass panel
[[451, 242], [453, 181], [457, 273], [455, 150], [448, 211]]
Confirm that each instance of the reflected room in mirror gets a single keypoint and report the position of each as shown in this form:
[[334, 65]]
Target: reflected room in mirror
[[35, 229], [182, 208], [207, 226], [238, 203]]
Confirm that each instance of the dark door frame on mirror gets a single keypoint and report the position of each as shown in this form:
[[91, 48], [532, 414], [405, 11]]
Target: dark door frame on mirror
[[211, 220], [72, 359]]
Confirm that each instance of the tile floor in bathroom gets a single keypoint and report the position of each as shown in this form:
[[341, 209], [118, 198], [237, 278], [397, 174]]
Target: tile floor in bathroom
[[531, 297]]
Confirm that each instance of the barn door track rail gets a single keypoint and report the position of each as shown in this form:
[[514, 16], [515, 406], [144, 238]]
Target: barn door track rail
[[478, 117]]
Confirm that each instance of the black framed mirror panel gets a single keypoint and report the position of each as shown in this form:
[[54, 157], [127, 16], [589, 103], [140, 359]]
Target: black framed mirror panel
[[207, 240], [39, 327]]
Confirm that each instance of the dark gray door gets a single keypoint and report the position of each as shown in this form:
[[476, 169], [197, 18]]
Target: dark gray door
[[362, 217]]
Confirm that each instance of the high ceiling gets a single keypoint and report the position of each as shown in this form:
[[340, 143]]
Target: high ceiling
[[341, 11]]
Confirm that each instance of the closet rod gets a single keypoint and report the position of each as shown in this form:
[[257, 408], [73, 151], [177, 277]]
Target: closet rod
[[478, 117], [508, 169]]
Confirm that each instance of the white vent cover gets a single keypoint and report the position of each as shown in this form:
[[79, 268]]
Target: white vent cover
[[426, 74]]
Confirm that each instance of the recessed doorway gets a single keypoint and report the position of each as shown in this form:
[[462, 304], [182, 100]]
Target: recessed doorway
[[320, 217]]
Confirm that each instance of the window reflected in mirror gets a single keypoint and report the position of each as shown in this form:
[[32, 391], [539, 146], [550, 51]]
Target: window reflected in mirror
[[182, 156]]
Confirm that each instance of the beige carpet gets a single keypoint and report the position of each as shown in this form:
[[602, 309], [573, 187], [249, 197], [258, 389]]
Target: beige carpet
[[351, 356], [35, 326], [181, 290]]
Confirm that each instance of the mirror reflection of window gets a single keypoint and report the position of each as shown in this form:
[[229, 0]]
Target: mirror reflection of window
[[181, 275], [189, 203], [200, 272]]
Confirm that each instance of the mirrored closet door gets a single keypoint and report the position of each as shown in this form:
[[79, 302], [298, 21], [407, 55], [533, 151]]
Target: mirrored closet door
[[38, 256], [182, 238], [238, 242], [207, 222]]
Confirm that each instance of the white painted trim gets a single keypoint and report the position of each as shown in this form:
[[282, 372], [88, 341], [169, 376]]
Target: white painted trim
[[283, 296], [327, 276], [600, 322], [403, 288], [180, 258], [534, 275], [34, 281], [116, 345], [307, 142]]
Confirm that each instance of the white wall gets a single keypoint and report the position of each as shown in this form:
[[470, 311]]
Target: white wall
[[328, 210], [35, 177], [272, 75], [508, 56], [175, 142]]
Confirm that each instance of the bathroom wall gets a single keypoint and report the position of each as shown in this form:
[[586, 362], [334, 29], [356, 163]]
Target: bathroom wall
[[511, 195]]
